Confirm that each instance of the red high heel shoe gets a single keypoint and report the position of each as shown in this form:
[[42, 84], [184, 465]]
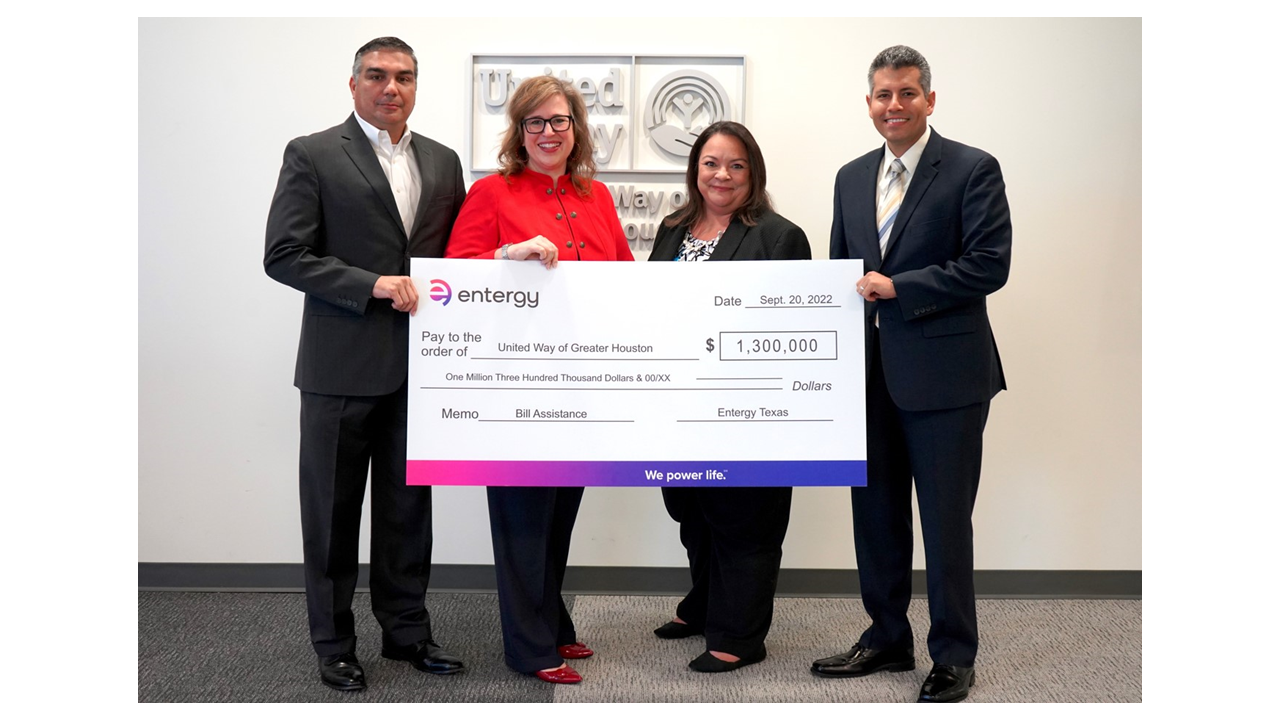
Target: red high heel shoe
[[576, 651], [563, 675]]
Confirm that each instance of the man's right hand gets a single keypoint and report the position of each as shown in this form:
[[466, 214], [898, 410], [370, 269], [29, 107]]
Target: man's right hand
[[399, 290]]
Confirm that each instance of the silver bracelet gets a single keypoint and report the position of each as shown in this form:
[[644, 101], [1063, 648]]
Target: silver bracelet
[[504, 252]]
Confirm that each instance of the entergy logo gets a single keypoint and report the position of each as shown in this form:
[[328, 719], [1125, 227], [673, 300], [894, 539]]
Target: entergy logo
[[441, 292]]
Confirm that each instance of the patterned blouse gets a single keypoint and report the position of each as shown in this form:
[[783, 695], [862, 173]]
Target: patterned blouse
[[695, 250]]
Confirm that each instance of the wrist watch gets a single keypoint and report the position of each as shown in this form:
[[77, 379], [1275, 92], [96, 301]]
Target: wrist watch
[[504, 251]]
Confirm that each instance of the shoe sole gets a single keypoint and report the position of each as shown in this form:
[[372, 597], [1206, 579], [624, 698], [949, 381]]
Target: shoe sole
[[730, 666], [343, 688], [891, 667], [454, 671], [678, 635], [961, 698]]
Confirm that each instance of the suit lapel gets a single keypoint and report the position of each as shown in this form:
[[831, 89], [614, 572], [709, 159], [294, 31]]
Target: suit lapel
[[360, 152], [926, 171], [864, 208], [422, 151], [727, 247]]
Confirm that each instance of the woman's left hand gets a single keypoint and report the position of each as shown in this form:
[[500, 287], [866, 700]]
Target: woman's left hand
[[544, 249]]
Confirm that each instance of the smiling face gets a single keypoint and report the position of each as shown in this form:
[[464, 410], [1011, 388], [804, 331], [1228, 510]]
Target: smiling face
[[549, 150], [724, 177], [385, 90], [899, 107]]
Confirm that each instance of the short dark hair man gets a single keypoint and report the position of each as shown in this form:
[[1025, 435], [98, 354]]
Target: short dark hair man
[[929, 218], [352, 205]]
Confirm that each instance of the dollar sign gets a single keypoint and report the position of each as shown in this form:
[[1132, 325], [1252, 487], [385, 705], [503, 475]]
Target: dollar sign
[[711, 345]]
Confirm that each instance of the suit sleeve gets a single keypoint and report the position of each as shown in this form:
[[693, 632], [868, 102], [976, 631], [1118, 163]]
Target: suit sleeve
[[982, 266], [839, 247], [659, 241], [475, 232], [295, 245], [459, 195], [791, 244]]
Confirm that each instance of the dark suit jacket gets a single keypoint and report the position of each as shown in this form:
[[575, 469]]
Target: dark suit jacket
[[333, 229], [773, 237], [948, 250]]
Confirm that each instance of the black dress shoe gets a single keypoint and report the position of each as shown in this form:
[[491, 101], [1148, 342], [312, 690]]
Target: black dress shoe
[[708, 663], [342, 672], [425, 656], [861, 661], [946, 683], [674, 631]]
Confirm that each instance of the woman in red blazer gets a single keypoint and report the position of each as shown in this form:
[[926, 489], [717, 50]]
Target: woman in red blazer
[[544, 204]]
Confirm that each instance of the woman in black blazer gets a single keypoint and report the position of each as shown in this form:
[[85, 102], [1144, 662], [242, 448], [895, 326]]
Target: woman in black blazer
[[733, 535]]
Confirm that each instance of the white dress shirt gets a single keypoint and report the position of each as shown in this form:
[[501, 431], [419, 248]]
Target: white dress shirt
[[910, 160], [401, 168]]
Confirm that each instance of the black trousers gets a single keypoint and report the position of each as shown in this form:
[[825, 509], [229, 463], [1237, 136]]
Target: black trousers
[[942, 451], [531, 528], [345, 442], [734, 540]]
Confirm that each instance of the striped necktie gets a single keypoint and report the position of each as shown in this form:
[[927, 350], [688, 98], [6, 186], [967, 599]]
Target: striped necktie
[[890, 201]]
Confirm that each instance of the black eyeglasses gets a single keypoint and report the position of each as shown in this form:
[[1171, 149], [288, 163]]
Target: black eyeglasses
[[535, 125]]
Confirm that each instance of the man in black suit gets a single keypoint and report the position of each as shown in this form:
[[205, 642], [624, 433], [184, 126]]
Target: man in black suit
[[352, 205], [929, 218]]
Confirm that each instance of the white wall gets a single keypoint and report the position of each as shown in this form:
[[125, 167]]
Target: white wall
[[1058, 102]]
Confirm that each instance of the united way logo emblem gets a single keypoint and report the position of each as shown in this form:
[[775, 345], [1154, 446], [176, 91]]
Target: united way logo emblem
[[440, 292], [680, 107]]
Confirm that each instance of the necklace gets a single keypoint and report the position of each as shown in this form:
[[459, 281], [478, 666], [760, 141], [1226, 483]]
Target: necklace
[[714, 239]]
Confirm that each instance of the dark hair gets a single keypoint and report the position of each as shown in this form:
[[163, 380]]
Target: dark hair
[[513, 158], [383, 43], [898, 57], [757, 202]]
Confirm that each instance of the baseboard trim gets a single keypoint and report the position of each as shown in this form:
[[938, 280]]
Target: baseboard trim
[[793, 582]]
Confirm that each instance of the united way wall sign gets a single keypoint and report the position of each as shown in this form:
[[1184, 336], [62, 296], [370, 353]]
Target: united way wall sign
[[644, 112]]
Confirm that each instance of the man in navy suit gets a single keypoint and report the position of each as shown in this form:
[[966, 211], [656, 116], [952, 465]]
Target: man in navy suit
[[929, 218]]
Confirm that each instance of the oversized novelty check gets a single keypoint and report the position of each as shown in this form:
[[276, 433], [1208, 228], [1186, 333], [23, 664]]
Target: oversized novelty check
[[712, 374]]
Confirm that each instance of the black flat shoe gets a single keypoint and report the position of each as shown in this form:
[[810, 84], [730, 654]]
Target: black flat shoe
[[342, 672], [674, 631], [946, 684], [708, 663]]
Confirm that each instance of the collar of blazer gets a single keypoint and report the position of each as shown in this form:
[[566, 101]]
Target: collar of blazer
[[926, 171], [725, 249], [366, 161]]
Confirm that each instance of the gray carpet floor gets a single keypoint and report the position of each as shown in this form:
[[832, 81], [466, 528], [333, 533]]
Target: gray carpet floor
[[252, 647]]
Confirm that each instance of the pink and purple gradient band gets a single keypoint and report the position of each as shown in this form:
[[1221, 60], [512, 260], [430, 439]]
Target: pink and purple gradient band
[[526, 473]]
